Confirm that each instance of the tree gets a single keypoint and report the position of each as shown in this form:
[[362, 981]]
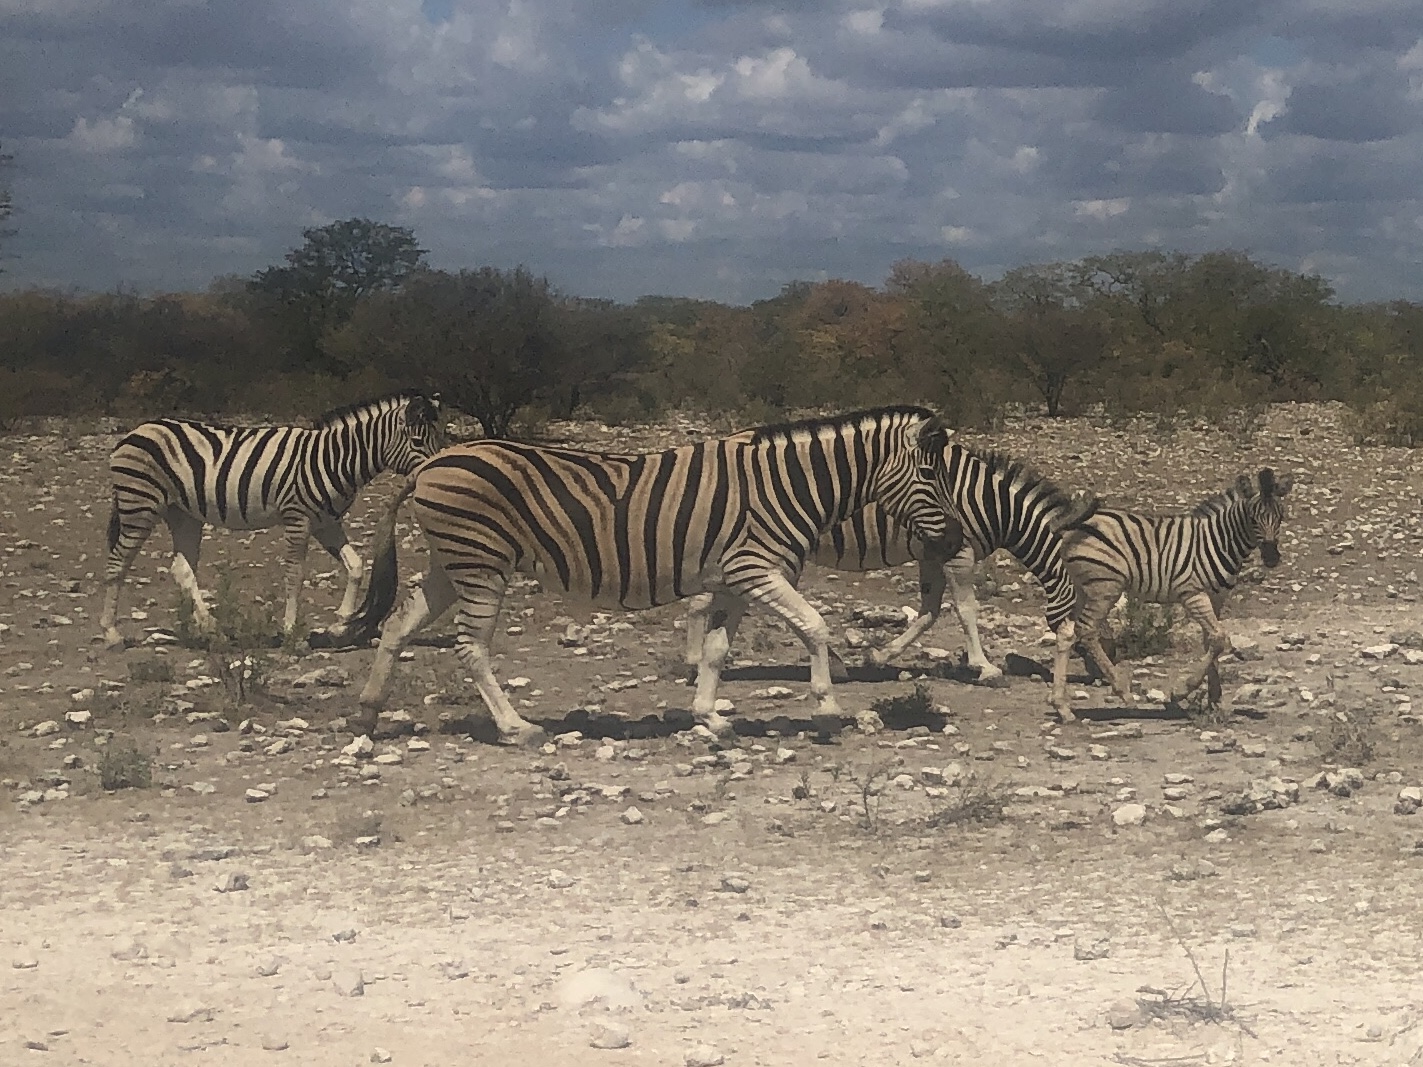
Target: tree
[[489, 341], [7, 202], [336, 267], [1055, 334]]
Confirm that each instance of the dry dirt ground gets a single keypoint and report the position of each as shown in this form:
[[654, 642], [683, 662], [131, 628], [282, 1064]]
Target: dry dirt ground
[[799, 897]]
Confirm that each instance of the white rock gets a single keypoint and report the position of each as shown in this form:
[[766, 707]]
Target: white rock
[[79, 718], [45, 729], [1129, 815], [1382, 651], [632, 816]]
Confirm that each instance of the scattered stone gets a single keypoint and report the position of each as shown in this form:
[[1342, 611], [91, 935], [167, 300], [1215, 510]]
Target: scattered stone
[[315, 843], [1124, 1014], [735, 883], [610, 1035], [703, 1056], [45, 729], [1267, 794], [1129, 815], [380, 1055], [273, 1043], [79, 718], [256, 796], [235, 883], [329, 676], [715, 818], [1218, 836], [632, 816], [1410, 799], [558, 880], [270, 968], [360, 747], [1382, 651], [191, 1013], [1098, 948]]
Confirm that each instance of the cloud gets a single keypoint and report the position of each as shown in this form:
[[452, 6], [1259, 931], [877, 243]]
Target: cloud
[[710, 147]]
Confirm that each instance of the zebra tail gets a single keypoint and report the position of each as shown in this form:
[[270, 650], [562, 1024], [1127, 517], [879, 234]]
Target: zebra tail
[[115, 526], [385, 577]]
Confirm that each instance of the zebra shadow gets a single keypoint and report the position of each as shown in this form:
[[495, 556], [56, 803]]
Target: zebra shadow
[[818, 729]]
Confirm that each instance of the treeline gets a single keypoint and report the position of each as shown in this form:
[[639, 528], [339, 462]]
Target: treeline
[[356, 310]]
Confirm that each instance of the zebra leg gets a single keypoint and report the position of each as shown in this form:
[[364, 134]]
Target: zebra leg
[[478, 614], [931, 603], [725, 611], [776, 592], [332, 537], [1213, 687], [960, 570], [127, 533], [698, 608], [435, 596], [298, 531], [1198, 605], [1066, 638], [1097, 601], [187, 531]]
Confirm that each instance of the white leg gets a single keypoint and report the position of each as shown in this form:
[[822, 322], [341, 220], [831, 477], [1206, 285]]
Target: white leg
[[725, 612], [960, 571], [333, 539], [698, 608], [1066, 637], [127, 532], [187, 542], [434, 597]]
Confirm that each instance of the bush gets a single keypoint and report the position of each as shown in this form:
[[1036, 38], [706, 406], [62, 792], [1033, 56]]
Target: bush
[[1144, 629], [123, 766]]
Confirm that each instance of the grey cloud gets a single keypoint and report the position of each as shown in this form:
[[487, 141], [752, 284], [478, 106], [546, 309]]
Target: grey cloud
[[1373, 107]]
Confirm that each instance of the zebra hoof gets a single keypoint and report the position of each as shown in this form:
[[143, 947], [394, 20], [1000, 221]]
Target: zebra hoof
[[717, 723], [992, 677], [364, 723]]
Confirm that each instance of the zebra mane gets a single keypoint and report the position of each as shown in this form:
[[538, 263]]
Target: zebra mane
[[1227, 498], [381, 403], [1019, 473], [782, 431]]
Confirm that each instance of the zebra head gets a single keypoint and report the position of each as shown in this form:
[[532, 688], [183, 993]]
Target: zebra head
[[911, 484], [1265, 512], [420, 433]]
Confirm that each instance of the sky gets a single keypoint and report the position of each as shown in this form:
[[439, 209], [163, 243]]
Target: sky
[[712, 148]]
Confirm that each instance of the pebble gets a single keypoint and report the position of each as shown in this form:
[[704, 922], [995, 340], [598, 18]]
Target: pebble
[[256, 796], [610, 1035], [632, 817], [1124, 1014], [703, 1056], [559, 880], [735, 883], [380, 1055], [349, 984], [273, 1043], [716, 818]]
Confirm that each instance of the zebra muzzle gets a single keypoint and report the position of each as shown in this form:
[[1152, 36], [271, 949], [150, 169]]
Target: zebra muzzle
[[1270, 554]]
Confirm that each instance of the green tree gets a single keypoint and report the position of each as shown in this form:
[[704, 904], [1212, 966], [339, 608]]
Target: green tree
[[324, 280], [1055, 333], [489, 341]]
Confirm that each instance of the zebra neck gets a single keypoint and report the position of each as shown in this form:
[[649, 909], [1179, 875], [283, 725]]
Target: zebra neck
[[1227, 533], [350, 454]]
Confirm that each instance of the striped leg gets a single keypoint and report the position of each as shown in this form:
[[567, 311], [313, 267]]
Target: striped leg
[[187, 543], [127, 533], [478, 614], [332, 537], [1200, 607], [298, 532], [1097, 600], [427, 604]]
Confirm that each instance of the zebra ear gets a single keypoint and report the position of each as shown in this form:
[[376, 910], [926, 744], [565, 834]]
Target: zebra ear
[[1245, 486], [1268, 486], [934, 435]]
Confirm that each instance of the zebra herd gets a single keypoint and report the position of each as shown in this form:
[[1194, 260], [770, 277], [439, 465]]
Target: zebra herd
[[725, 524]]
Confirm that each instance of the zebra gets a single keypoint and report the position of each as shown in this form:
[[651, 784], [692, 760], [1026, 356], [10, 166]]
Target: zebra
[[737, 516], [999, 502], [1193, 559], [247, 478]]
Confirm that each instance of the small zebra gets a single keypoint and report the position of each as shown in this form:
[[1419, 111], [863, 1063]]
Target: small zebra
[[1000, 503], [250, 478], [736, 516], [1192, 559]]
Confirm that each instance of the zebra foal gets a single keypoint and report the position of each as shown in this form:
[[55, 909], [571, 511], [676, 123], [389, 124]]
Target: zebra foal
[[1192, 559], [249, 478], [734, 516], [1000, 503]]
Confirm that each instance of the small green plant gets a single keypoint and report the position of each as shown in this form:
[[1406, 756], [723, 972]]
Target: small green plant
[[243, 675], [1144, 629], [914, 705], [123, 766], [237, 626], [150, 670], [977, 803], [1349, 738]]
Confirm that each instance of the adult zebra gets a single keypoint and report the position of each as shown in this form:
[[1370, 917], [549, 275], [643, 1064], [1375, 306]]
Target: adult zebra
[[738, 516], [1000, 503], [250, 478], [1192, 559]]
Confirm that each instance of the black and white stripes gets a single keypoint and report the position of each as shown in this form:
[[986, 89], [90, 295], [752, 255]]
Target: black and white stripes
[[190, 473], [735, 517], [1191, 559]]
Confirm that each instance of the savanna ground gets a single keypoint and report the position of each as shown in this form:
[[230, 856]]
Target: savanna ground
[[963, 895]]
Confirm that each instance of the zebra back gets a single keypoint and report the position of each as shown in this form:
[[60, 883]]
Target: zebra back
[[248, 477], [1164, 557]]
